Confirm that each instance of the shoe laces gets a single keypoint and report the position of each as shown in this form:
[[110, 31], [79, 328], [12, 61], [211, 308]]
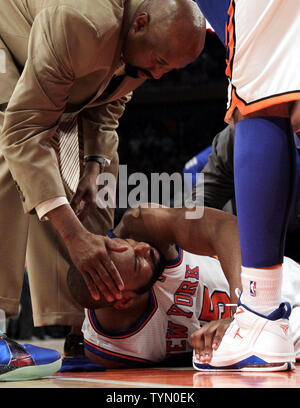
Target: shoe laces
[[237, 292]]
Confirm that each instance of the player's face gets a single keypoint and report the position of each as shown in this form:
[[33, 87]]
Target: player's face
[[149, 53], [137, 264]]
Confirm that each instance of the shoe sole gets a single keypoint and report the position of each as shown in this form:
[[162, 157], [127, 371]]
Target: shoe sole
[[31, 372], [288, 366]]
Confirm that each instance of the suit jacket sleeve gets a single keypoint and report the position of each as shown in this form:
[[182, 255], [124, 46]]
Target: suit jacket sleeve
[[63, 46], [99, 125], [217, 186]]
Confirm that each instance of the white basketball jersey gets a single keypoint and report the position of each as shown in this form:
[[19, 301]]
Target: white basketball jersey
[[263, 54], [194, 290]]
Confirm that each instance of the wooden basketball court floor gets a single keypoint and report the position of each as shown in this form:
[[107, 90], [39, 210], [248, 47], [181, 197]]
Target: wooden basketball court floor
[[177, 380]]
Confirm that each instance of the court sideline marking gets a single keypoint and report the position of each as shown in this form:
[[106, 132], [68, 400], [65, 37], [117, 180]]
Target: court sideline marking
[[116, 382]]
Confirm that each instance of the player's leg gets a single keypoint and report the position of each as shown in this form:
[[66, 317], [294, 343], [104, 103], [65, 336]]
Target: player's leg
[[264, 168], [258, 338], [262, 79]]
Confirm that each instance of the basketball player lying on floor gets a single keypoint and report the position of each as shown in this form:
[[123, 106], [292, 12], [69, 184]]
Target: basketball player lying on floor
[[174, 286]]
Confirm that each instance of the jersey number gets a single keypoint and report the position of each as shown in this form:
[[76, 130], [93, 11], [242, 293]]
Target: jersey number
[[213, 307]]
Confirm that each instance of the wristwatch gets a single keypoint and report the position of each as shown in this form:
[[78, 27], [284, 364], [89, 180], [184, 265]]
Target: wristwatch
[[98, 159]]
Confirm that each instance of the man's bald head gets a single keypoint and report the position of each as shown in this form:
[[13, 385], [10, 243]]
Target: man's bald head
[[180, 21], [165, 35]]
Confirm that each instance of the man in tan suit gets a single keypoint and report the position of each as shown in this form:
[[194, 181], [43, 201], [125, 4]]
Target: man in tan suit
[[70, 67]]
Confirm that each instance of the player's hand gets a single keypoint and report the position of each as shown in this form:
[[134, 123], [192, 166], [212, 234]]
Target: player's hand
[[90, 255], [208, 338], [84, 200]]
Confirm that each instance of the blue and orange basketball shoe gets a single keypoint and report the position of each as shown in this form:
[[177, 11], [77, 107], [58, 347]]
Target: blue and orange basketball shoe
[[26, 362], [254, 342]]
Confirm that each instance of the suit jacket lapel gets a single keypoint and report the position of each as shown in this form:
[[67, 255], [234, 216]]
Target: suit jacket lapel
[[126, 85]]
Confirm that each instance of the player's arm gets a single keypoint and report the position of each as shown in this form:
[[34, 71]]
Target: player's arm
[[215, 233], [98, 126], [147, 224]]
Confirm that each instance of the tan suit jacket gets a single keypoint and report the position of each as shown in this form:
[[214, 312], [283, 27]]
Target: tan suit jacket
[[70, 50]]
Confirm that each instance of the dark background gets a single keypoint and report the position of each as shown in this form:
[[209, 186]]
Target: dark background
[[172, 119], [169, 121]]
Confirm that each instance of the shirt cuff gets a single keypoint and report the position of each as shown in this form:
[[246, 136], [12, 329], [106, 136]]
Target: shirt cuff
[[43, 208]]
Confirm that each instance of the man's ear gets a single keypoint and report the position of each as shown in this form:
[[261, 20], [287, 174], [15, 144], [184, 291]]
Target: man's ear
[[126, 302], [141, 21]]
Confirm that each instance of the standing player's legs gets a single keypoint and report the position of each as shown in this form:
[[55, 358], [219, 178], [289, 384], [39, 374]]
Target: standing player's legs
[[264, 168], [264, 172], [262, 79]]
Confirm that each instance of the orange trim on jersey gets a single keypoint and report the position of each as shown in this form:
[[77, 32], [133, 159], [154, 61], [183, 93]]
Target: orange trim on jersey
[[178, 261], [114, 354], [255, 106], [230, 39], [129, 332], [236, 101]]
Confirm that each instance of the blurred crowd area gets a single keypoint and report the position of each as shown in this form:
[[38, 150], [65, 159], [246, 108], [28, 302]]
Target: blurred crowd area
[[170, 120]]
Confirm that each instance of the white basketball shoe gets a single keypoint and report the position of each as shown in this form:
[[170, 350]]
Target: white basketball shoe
[[254, 342]]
